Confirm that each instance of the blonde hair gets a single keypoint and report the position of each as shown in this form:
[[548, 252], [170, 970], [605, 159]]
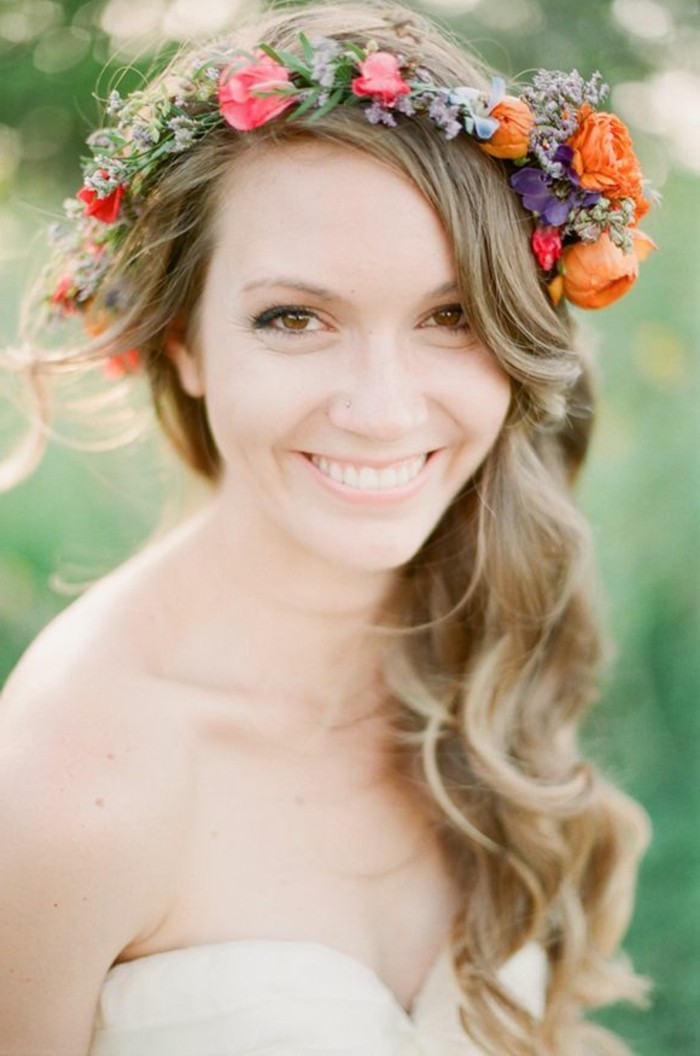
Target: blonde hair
[[496, 647]]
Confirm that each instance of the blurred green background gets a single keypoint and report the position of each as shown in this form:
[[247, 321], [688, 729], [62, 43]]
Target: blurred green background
[[80, 513]]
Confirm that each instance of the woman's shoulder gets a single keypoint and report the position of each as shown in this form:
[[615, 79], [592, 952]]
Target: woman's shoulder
[[85, 722], [93, 780], [106, 641], [93, 731]]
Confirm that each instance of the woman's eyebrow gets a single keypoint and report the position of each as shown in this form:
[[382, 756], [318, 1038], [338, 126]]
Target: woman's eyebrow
[[293, 284], [440, 291], [328, 295]]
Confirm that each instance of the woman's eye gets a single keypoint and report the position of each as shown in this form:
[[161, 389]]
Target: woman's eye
[[450, 318], [287, 320]]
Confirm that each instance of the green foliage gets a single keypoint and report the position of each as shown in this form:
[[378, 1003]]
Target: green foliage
[[79, 514]]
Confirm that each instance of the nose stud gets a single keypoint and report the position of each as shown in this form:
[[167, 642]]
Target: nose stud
[[348, 402]]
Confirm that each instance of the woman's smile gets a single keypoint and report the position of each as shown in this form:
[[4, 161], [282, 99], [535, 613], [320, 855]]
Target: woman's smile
[[370, 477], [357, 481]]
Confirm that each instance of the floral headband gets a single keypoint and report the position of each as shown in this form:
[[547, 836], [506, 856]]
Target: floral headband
[[572, 166]]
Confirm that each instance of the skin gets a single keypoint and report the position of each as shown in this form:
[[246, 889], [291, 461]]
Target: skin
[[230, 663]]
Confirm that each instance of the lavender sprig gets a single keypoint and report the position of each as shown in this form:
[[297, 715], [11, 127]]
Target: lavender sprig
[[555, 99]]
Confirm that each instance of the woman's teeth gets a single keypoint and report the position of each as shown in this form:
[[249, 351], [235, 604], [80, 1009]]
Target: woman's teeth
[[367, 478]]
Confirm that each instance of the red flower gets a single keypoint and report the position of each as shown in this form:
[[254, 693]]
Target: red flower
[[546, 245], [380, 78], [62, 296], [128, 362], [105, 209], [241, 105]]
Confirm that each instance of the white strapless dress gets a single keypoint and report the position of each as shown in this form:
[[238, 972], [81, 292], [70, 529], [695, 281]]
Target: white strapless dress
[[285, 998]]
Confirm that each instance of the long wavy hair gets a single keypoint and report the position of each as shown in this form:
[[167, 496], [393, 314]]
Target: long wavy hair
[[495, 646]]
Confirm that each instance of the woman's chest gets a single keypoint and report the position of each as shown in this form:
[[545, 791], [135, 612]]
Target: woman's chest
[[303, 846]]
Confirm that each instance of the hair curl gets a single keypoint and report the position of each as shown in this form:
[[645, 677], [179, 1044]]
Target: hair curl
[[495, 642]]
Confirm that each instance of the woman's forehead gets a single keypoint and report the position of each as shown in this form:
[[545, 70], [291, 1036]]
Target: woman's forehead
[[320, 207]]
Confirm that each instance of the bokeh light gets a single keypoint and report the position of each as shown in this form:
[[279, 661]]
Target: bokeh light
[[644, 18]]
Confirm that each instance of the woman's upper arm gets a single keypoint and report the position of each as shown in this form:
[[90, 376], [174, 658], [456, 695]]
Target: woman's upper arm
[[79, 878], [57, 940]]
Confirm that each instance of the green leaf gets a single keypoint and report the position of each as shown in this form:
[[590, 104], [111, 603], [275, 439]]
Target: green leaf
[[293, 63], [329, 104], [271, 53], [345, 75], [356, 50], [306, 105], [306, 48]]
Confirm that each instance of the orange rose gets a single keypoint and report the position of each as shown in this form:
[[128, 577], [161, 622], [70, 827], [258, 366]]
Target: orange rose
[[604, 158], [598, 273], [512, 137]]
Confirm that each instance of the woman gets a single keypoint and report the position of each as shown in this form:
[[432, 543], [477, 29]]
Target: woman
[[303, 775]]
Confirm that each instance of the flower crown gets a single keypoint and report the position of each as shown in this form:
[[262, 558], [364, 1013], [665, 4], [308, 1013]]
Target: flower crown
[[572, 166]]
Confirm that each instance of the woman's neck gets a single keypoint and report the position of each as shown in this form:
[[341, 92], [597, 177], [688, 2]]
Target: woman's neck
[[281, 626]]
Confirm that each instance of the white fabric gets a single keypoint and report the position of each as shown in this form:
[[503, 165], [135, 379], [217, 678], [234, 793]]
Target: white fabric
[[282, 998]]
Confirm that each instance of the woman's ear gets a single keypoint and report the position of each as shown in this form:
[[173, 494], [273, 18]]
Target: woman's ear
[[186, 361]]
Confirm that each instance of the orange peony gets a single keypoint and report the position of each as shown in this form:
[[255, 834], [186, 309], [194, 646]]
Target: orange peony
[[598, 273], [604, 158], [512, 137]]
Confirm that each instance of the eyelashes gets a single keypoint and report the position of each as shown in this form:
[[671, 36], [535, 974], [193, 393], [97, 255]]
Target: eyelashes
[[294, 313], [299, 317]]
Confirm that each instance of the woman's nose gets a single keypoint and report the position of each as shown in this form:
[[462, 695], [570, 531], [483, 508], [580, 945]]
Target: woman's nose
[[381, 399]]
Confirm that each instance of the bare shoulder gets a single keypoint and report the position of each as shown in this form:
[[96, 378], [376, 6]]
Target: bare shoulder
[[93, 781], [85, 722]]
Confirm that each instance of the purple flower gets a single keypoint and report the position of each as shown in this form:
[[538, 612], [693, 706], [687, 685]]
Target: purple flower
[[589, 198], [533, 187], [564, 156], [404, 105], [377, 114], [323, 68], [445, 116]]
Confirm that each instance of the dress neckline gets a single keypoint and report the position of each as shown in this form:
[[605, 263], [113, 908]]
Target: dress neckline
[[315, 948]]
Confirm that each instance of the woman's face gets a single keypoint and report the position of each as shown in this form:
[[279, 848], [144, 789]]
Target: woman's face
[[348, 398]]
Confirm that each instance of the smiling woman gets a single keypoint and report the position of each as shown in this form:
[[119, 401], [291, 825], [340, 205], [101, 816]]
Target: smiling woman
[[303, 775]]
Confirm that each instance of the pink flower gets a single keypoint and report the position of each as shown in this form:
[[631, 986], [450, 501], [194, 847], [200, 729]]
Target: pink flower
[[546, 245], [241, 105], [105, 209], [380, 78]]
